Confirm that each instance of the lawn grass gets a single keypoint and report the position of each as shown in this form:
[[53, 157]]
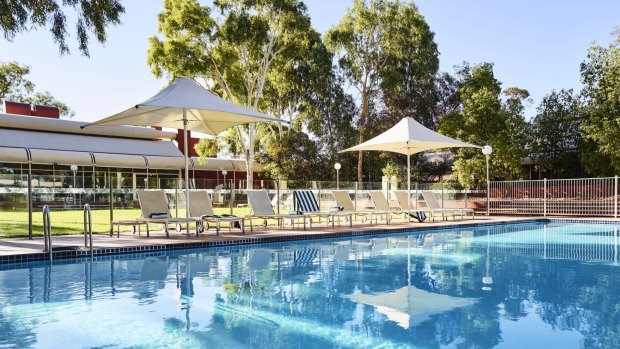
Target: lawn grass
[[15, 223]]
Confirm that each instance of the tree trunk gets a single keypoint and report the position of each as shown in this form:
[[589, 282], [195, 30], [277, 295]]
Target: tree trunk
[[249, 159], [362, 126]]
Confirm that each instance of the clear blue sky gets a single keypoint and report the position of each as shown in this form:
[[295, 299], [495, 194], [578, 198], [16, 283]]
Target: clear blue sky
[[535, 44]]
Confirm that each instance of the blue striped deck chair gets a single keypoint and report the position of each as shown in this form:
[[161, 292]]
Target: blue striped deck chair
[[306, 204]]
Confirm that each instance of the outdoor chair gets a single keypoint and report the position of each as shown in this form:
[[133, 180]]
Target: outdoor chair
[[201, 208], [154, 207], [404, 202], [432, 203], [261, 208], [381, 204], [344, 201], [306, 204]]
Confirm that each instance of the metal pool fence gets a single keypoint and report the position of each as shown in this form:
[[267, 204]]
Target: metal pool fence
[[570, 197], [114, 197]]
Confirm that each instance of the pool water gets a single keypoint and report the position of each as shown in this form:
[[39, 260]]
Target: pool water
[[534, 285]]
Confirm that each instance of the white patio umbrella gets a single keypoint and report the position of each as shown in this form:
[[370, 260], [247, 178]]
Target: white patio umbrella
[[409, 137], [186, 105]]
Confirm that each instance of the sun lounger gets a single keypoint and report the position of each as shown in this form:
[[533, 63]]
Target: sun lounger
[[154, 207], [432, 203], [343, 200], [261, 208], [200, 207], [306, 204], [381, 204], [405, 205]]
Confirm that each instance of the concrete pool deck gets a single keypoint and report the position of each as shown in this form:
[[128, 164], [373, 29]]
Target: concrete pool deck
[[68, 246]]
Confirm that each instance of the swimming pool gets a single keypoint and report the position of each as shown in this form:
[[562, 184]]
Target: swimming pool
[[531, 285]]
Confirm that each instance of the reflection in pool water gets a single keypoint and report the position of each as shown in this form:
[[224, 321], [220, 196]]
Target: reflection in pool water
[[512, 286]]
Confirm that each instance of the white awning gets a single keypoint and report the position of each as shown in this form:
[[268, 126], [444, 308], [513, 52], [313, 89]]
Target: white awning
[[96, 144], [61, 157], [119, 160], [13, 155], [61, 148], [216, 164], [166, 162]]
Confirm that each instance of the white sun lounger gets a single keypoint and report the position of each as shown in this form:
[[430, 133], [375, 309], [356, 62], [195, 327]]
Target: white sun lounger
[[154, 207], [381, 204], [405, 204], [261, 208], [344, 200], [432, 203], [200, 207]]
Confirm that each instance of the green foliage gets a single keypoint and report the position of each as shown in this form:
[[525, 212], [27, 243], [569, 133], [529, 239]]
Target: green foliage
[[392, 170], [15, 87], [93, 16], [261, 54], [484, 119], [432, 169], [293, 156], [207, 148], [557, 135], [384, 48], [600, 75]]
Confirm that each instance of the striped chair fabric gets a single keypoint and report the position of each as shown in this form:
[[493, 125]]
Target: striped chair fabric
[[305, 201]]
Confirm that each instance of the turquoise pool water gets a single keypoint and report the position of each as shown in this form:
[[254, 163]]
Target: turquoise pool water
[[535, 285]]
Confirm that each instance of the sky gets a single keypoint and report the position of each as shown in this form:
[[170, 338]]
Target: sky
[[536, 45]]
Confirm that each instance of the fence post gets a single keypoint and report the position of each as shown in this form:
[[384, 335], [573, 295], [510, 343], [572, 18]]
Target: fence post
[[545, 197], [416, 196], [232, 195], [442, 194], [111, 193], [318, 184], [355, 196], [466, 189], [29, 205], [278, 196], [616, 196]]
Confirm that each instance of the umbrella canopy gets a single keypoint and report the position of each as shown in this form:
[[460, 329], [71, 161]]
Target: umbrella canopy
[[409, 137], [206, 112], [184, 104]]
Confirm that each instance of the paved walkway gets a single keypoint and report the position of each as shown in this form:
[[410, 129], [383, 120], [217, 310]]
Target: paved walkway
[[23, 246]]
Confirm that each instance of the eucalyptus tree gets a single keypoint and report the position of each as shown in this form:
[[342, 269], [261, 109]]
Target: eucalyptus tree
[[15, 87], [483, 119], [600, 75], [557, 134], [384, 48], [241, 49], [93, 16]]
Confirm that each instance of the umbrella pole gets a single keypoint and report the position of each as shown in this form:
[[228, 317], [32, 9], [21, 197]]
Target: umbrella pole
[[408, 185], [186, 163]]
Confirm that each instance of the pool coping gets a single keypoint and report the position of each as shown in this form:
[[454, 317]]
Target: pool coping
[[349, 232]]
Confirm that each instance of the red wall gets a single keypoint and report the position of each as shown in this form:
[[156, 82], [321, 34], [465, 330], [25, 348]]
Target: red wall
[[26, 109], [191, 142]]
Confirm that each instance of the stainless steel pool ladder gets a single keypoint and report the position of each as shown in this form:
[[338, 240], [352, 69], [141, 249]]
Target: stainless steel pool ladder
[[88, 229], [47, 231]]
